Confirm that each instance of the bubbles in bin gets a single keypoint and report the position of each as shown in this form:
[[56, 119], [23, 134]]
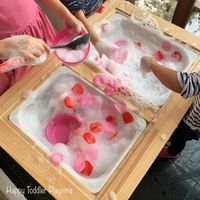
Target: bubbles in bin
[[86, 143], [86, 131]]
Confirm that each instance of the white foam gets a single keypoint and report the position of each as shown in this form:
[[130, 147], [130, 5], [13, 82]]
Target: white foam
[[32, 118], [129, 72]]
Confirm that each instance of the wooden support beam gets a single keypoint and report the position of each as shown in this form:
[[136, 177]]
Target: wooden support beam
[[182, 12]]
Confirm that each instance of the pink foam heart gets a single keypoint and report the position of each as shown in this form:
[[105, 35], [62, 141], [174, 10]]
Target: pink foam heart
[[108, 109], [91, 153], [166, 45], [109, 90], [76, 164], [122, 53], [120, 106], [86, 99], [122, 56], [121, 43], [114, 82], [100, 80], [108, 127], [56, 158]]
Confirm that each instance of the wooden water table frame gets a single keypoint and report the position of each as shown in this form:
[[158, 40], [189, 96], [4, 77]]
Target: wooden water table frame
[[133, 167]]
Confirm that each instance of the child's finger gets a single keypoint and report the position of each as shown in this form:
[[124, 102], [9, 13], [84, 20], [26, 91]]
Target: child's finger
[[38, 53], [144, 62], [46, 48], [29, 57], [83, 29]]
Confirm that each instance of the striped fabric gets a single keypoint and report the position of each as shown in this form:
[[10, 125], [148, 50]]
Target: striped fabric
[[87, 6], [190, 84]]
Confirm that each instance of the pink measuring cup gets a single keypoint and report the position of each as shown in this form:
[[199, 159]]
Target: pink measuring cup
[[60, 126]]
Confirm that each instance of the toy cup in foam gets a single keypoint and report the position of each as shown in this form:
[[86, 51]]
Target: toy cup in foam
[[70, 56], [60, 126]]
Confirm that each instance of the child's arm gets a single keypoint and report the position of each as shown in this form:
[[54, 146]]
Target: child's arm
[[167, 77], [93, 36], [56, 7], [103, 46], [181, 82]]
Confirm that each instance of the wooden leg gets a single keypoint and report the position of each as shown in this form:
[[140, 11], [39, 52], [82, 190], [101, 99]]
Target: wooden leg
[[183, 12]]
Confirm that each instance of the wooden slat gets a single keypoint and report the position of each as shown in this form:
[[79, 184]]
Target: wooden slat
[[133, 167]]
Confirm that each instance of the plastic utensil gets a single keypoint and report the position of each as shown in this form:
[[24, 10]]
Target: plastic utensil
[[75, 44], [73, 57]]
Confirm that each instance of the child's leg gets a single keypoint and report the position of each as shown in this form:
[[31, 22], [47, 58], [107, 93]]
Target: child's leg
[[178, 139], [93, 36], [181, 135]]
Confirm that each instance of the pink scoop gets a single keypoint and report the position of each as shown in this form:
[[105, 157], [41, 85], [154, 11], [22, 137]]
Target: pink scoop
[[60, 126], [66, 55], [64, 37]]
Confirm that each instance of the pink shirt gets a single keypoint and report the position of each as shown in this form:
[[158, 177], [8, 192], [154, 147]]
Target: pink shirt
[[18, 17]]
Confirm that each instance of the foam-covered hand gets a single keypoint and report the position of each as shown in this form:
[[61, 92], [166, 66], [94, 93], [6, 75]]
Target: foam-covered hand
[[24, 46], [22, 50], [107, 48], [146, 63]]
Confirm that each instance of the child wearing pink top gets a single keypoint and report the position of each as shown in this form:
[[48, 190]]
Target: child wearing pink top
[[19, 17]]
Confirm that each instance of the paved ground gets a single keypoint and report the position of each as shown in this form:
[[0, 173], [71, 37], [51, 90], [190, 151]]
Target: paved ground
[[173, 179]]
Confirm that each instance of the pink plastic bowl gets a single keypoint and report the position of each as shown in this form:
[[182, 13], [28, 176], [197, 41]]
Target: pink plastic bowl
[[71, 57], [60, 126]]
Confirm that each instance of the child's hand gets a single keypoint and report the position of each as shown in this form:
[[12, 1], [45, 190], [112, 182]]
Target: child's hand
[[107, 48], [75, 24], [24, 46], [146, 63]]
